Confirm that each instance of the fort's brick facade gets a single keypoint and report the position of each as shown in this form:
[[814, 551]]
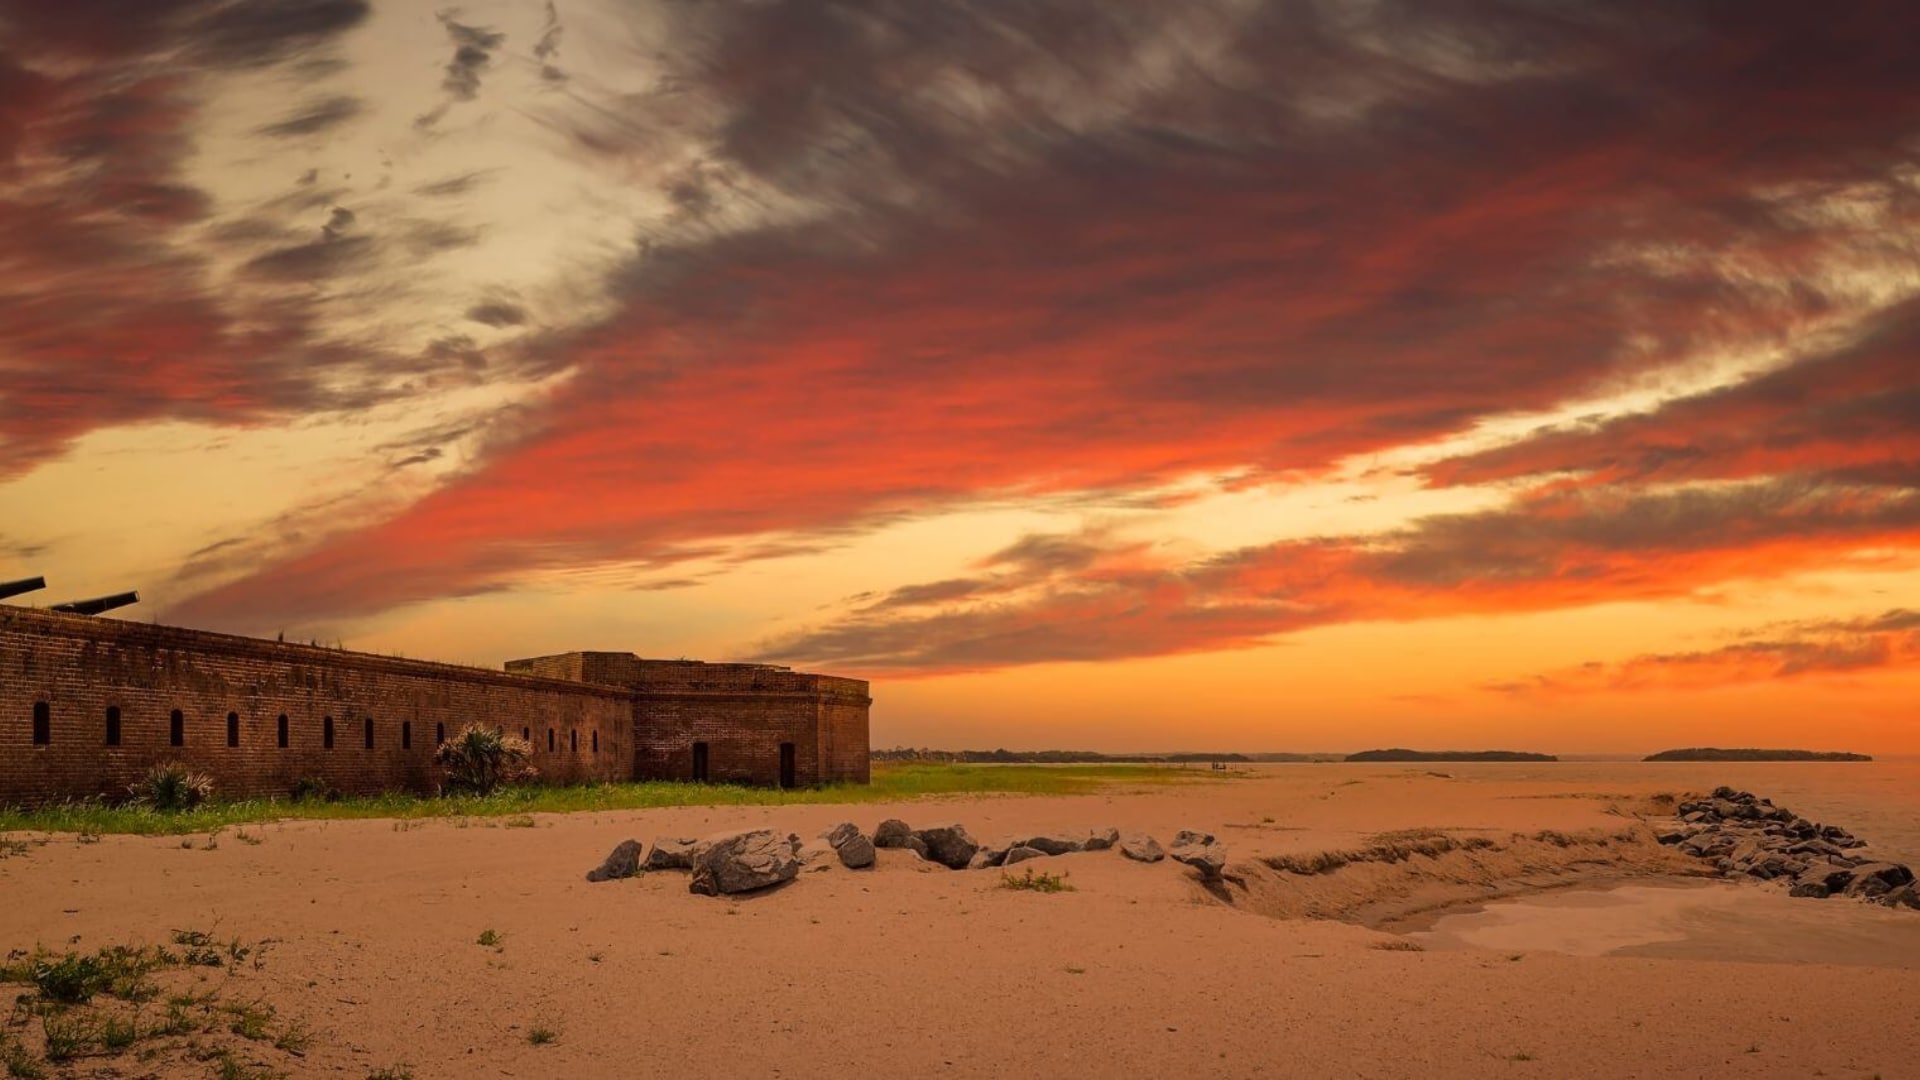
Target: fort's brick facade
[[87, 704]]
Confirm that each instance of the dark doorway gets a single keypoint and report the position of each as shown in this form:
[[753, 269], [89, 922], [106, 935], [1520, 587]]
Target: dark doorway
[[233, 729], [280, 731], [786, 765], [113, 725], [699, 763], [42, 723], [176, 729]]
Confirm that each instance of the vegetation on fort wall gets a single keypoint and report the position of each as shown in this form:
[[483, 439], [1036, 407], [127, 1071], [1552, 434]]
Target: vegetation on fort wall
[[890, 783]]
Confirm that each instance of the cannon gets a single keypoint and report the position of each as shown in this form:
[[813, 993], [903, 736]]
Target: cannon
[[24, 585], [98, 604]]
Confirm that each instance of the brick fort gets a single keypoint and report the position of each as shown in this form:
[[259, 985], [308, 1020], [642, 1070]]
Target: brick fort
[[87, 704]]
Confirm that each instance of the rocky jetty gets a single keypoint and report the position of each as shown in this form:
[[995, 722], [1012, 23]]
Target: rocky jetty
[[1744, 835], [760, 858]]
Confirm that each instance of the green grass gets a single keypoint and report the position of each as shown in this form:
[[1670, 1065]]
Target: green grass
[[542, 1035], [891, 782]]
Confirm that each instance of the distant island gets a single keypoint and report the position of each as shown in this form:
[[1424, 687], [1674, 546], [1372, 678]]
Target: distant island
[[1399, 754], [1714, 753], [1083, 757]]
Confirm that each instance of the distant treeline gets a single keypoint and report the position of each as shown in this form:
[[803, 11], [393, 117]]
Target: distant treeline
[[1714, 753], [1078, 757], [1399, 754]]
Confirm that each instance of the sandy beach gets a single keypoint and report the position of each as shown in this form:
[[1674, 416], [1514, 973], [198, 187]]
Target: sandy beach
[[1612, 962]]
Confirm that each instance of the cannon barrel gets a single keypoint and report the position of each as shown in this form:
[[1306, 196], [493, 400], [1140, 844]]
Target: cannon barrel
[[24, 585], [98, 604]]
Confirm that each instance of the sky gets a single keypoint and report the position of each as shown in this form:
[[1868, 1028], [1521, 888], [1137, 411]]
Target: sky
[[1230, 374]]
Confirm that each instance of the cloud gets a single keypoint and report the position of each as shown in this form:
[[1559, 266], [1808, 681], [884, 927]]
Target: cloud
[[497, 313], [1113, 600], [1811, 648], [916, 258], [315, 117], [472, 55]]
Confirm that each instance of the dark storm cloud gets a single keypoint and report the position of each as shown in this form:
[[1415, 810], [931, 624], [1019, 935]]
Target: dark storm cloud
[[497, 314], [315, 117], [473, 49]]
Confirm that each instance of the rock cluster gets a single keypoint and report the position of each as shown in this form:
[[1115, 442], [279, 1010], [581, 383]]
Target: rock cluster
[[1743, 834], [756, 859]]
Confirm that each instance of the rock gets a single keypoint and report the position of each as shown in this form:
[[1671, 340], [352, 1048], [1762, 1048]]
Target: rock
[[1907, 896], [1020, 853], [1055, 845], [815, 854], [1878, 879], [892, 833], [856, 852], [1814, 890], [916, 845], [1141, 848], [989, 856], [1102, 839], [1672, 835], [622, 862], [743, 862], [841, 833], [1188, 836], [948, 845], [1210, 858], [672, 853]]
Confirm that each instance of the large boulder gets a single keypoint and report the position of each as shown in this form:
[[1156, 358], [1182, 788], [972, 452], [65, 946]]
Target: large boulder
[[1020, 853], [1199, 851], [892, 833], [948, 845], [672, 853], [1102, 839], [856, 851], [1209, 859], [743, 862], [622, 862], [1056, 844], [1141, 848]]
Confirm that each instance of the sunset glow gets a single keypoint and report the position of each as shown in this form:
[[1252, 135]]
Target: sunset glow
[[1130, 376]]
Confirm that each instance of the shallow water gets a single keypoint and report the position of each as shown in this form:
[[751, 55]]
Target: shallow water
[[1694, 921]]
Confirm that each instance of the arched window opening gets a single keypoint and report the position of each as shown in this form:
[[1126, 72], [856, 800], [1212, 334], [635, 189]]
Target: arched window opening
[[233, 729], [439, 734], [369, 727], [326, 733], [176, 729], [549, 740], [596, 740], [113, 725], [573, 740], [42, 723], [281, 732], [406, 734]]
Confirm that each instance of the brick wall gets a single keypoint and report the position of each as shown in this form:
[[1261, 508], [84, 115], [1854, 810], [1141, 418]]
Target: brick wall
[[79, 667], [741, 713]]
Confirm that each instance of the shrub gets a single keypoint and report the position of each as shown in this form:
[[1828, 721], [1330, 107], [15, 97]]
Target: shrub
[[480, 759], [172, 786], [314, 789], [1032, 882]]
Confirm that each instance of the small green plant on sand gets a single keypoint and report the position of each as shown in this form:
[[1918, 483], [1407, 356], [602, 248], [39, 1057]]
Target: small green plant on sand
[[392, 1072], [490, 938], [542, 1035], [1032, 882]]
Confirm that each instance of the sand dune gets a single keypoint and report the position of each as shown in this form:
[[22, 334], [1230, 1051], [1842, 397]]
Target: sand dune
[[914, 970]]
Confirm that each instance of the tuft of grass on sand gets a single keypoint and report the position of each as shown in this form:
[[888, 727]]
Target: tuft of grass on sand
[[392, 1072], [891, 782], [490, 938], [542, 1035], [1032, 882]]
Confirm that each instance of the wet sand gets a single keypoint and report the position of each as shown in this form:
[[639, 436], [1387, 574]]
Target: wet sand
[[914, 970]]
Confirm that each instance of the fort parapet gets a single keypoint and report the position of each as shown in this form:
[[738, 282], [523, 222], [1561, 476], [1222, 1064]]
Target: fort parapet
[[87, 704]]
